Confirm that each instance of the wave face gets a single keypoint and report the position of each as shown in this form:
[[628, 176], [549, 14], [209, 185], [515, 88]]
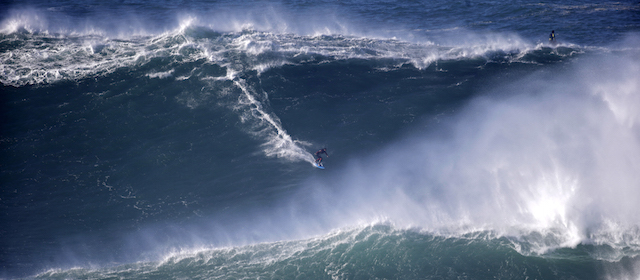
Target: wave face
[[176, 141], [376, 252]]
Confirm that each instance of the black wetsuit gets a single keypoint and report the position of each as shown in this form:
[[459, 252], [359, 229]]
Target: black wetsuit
[[318, 153]]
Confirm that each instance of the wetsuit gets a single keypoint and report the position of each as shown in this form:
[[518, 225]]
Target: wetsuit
[[318, 153]]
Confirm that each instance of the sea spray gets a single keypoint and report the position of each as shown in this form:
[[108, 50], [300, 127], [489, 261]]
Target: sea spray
[[376, 251], [552, 158]]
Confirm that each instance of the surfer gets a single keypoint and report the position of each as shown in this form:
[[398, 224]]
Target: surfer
[[552, 37], [318, 157]]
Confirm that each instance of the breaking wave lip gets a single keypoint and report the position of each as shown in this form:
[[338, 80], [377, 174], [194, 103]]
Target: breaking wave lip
[[254, 257], [42, 58], [333, 251]]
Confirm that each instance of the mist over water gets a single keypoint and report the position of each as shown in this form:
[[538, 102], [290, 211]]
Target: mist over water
[[173, 140], [549, 153]]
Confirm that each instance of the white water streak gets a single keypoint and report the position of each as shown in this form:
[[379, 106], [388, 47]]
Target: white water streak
[[279, 143]]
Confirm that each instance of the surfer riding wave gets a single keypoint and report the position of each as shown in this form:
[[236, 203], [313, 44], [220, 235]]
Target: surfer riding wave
[[318, 157]]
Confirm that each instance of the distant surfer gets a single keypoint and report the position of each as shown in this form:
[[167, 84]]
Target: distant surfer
[[552, 37], [318, 157]]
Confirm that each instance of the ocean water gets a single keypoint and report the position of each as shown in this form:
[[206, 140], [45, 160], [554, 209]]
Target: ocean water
[[175, 140]]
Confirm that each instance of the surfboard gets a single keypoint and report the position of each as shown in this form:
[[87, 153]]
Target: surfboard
[[318, 166]]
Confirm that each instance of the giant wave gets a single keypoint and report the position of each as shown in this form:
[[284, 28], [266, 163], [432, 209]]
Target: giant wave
[[530, 174]]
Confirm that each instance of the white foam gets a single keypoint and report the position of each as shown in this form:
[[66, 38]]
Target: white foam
[[46, 59], [75, 55], [161, 75], [267, 125]]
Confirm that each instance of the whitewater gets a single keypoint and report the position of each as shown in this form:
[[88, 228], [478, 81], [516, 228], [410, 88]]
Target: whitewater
[[179, 144]]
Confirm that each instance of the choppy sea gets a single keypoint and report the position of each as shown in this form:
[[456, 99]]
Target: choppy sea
[[175, 139]]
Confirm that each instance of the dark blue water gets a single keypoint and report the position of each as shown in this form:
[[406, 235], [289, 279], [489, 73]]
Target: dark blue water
[[175, 140]]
